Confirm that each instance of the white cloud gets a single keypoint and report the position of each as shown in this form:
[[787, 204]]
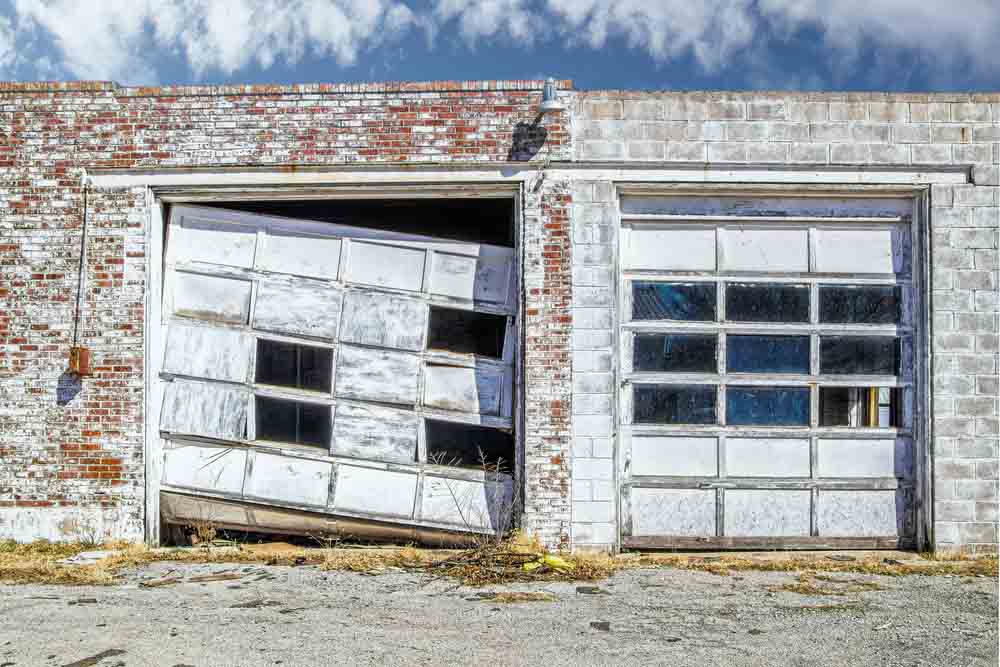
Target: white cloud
[[120, 39], [6, 43], [129, 40], [941, 29], [712, 30], [477, 19]]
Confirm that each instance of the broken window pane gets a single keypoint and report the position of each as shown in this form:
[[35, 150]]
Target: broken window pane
[[674, 404], [673, 301], [291, 365], [469, 446], [291, 421], [767, 406], [767, 303], [849, 304], [767, 354], [859, 355], [859, 407], [675, 353], [466, 332]]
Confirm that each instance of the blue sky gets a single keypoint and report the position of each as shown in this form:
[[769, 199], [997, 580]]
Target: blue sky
[[633, 44]]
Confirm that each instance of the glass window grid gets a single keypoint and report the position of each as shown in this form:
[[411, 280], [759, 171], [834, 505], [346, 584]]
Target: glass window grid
[[814, 329]]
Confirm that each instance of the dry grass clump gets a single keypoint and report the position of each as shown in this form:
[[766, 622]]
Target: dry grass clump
[[521, 559], [928, 564], [37, 562], [494, 562]]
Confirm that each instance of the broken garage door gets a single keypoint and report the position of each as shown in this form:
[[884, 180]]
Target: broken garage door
[[355, 373], [767, 358]]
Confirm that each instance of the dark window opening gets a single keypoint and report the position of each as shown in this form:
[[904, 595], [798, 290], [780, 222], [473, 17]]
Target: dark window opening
[[860, 407], [291, 365], [767, 354], [859, 304], [767, 406], [469, 446], [675, 353], [767, 303], [673, 301], [859, 355], [466, 332], [674, 404], [290, 421], [480, 220]]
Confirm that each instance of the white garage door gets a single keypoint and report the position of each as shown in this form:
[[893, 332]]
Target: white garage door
[[338, 369], [768, 378]]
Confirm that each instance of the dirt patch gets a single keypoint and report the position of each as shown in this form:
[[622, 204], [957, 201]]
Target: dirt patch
[[813, 584]]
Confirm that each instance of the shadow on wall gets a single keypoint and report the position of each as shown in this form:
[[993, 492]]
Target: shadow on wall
[[528, 139]]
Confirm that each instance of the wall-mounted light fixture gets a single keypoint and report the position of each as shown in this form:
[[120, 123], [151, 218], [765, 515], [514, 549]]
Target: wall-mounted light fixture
[[549, 101]]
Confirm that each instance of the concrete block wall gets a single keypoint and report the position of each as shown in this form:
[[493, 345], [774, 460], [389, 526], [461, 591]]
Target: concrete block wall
[[595, 231], [71, 452], [825, 130]]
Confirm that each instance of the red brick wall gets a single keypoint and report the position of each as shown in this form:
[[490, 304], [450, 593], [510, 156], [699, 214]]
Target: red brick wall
[[69, 446]]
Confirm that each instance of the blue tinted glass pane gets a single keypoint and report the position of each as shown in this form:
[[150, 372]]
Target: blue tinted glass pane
[[767, 406], [846, 304], [858, 355], [673, 404], [675, 353], [673, 301], [767, 354], [767, 303]]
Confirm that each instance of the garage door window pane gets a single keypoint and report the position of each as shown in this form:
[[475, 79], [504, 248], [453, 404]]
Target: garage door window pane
[[673, 301], [291, 365], [674, 404], [848, 304], [859, 355], [291, 421], [468, 446], [675, 353], [767, 303], [767, 354], [767, 406], [466, 332]]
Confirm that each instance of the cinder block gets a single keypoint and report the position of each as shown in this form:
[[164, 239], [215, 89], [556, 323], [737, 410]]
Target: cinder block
[[646, 150], [599, 469], [954, 510], [593, 425], [602, 150], [766, 110], [603, 109], [889, 112], [889, 154], [972, 533], [911, 133], [726, 152], [593, 512], [931, 154], [644, 110], [973, 112], [694, 151], [829, 132], [738, 131]]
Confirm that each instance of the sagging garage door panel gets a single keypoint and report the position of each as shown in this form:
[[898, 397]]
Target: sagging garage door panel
[[313, 353], [766, 352]]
